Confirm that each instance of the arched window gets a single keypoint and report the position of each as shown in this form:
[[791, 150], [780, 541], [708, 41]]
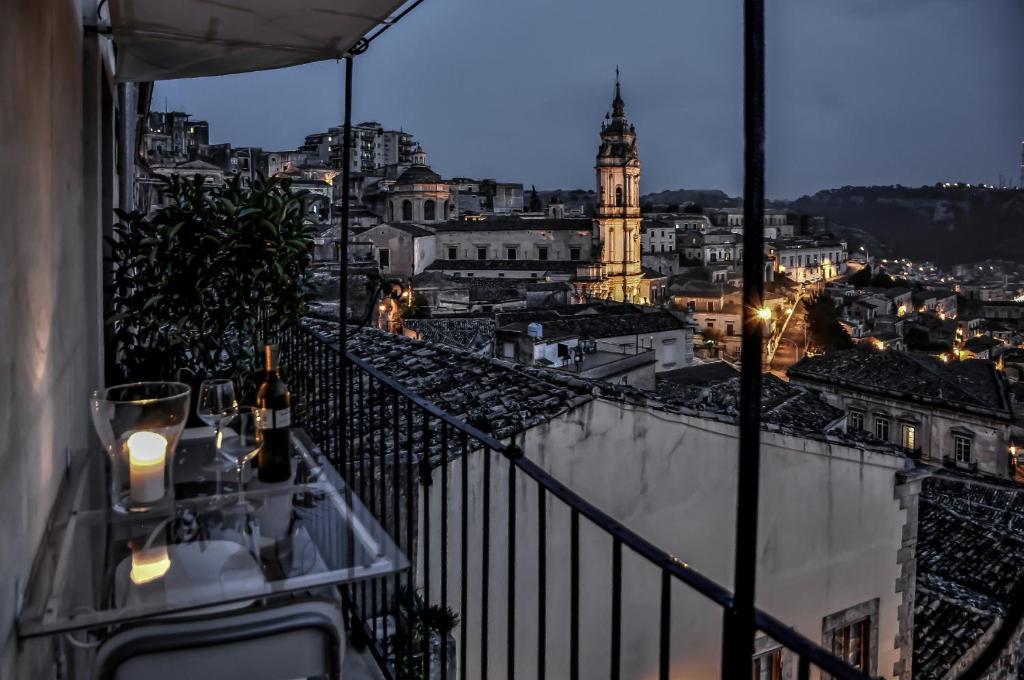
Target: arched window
[[618, 196], [407, 211], [429, 211], [391, 211]]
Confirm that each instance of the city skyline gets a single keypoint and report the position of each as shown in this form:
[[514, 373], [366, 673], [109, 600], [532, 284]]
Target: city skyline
[[908, 95]]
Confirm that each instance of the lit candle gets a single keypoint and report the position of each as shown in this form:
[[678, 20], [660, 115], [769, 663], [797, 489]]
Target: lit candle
[[147, 455], [149, 564]]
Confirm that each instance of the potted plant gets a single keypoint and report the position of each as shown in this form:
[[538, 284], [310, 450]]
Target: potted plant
[[421, 625], [198, 285]]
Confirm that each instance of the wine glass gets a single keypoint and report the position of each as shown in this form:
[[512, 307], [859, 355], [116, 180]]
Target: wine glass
[[240, 440], [216, 401]]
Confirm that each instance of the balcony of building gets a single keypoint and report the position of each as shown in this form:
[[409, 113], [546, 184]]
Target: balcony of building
[[552, 527]]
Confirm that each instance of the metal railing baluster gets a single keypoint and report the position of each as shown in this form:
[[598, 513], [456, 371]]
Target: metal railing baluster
[[616, 653], [510, 606], [574, 595], [444, 542], [485, 563], [664, 625], [542, 580], [464, 561]]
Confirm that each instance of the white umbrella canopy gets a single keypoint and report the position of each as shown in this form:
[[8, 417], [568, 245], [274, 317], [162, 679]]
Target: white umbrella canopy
[[167, 39]]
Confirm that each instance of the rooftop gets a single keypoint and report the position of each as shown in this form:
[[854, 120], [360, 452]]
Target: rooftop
[[601, 326], [517, 224], [557, 266], [970, 550], [970, 384]]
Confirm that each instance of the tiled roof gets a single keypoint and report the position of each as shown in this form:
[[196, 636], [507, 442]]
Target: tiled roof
[[473, 334], [505, 398], [980, 343], [603, 326], [699, 375], [518, 224], [792, 408], [970, 551], [915, 377], [477, 390]]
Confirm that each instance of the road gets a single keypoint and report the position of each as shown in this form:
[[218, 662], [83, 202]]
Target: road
[[793, 343]]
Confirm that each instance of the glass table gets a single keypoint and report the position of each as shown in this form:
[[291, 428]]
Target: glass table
[[217, 547]]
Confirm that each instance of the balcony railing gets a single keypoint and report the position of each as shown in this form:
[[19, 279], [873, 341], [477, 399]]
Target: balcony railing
[[416, 468]]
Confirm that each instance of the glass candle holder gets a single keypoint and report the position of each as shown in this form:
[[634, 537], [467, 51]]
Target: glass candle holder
[[140, 425]]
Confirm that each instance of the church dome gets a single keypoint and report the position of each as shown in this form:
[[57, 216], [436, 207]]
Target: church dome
[[418, 174]]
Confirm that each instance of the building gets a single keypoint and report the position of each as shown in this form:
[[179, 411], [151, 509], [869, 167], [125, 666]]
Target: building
[[617, 274], [658, 247], [401, 249], [809, 259], [419, 194], [501, 239], [172, 135], [591, 334], [953, 413]]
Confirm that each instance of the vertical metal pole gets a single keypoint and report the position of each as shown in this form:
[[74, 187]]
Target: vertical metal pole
[[738, 628], [346, 146]]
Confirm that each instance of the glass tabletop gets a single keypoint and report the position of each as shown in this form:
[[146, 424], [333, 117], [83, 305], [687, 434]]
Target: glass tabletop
[[216, 547]]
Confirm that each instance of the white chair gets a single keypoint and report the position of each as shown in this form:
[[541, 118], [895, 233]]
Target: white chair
[[297, 639]]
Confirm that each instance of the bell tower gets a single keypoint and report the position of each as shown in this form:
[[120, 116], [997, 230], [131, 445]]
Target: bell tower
[[617, 225]]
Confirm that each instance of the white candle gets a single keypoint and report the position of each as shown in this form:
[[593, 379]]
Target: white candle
[[147, 455], [149, 564]]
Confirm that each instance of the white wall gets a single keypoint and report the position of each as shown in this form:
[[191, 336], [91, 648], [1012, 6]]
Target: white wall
[[52, 137], [828, 537]]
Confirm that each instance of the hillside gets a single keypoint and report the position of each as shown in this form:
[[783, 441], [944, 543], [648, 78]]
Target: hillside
[[944, 224], [707, 198]]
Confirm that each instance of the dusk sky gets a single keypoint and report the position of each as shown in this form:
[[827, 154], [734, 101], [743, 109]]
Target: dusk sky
[[859, 91]]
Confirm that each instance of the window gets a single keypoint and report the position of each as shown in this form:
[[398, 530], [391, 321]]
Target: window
[[711, 323], [511, 253], [618, 196], [391, 212], [961, 448], [768, 666], [662, 247], [481, 253], [384, 258], [574, 253], [430, 211], [908, 436], [407, 211], [453, 253], [852, 644], [882, 428], [854, 421], [729, 329], [542, 253]]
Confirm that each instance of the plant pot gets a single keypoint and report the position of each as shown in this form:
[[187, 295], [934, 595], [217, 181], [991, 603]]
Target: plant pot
[[413, 669]]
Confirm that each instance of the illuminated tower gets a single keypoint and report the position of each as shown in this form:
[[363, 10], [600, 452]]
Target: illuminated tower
[[617, 225]]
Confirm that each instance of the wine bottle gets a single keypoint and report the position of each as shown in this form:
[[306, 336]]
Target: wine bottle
[[273, 404]]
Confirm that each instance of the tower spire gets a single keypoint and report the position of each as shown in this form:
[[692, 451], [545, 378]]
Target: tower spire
[[618, 106]]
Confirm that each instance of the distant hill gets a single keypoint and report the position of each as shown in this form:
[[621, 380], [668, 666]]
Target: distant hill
[[706, 198], [945, 224], [676, 199]]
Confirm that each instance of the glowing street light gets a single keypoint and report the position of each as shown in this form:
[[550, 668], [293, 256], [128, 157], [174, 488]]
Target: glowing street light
[[764, 314]]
